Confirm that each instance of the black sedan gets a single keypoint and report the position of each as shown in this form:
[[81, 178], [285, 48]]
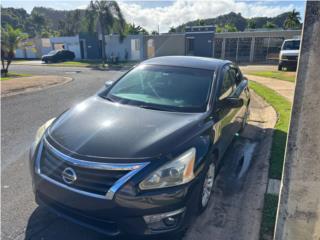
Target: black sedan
[[140, 157], [58, 56]]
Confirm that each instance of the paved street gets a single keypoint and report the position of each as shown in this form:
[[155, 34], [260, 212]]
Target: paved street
[[238, 197], [21, 116]]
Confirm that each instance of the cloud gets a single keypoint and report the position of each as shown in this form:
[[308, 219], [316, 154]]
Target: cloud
[[182, 11]]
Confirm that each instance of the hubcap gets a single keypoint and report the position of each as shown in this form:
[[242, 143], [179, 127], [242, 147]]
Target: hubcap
[[207, 185]]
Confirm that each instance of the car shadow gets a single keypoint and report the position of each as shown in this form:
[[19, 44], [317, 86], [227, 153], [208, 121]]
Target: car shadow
[[239, 183]]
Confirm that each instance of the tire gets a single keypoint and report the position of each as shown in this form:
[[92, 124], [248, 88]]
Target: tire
[[280, 67], [206, 186]]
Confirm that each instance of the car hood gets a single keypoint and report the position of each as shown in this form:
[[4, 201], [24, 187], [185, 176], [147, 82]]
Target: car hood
[[289, 52], [102, 129]]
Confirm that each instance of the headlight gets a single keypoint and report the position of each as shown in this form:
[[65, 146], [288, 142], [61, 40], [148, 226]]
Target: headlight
[[41, 131], [176, 172]]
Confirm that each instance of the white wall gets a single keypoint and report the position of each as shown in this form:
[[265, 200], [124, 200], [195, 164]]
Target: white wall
[[119, 49]]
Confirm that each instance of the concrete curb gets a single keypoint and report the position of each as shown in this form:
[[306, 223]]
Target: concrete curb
[[36, 88]]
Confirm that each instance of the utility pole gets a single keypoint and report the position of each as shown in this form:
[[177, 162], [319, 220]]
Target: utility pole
[[298, 215]]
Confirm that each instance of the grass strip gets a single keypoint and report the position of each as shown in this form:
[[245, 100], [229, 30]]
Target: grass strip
[[283, 109], [12, 75], [285, 76]]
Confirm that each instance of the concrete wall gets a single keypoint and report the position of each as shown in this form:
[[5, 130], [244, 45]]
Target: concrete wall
[[299, 206], [70, 43], [164, 45], [131, 46]]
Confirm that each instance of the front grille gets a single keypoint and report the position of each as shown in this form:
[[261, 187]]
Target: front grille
[[292, 58], [96, 181]]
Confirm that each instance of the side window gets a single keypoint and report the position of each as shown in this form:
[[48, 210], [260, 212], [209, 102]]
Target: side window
[[228, 83]]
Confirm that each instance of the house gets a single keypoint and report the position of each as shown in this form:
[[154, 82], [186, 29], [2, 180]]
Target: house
[[130, 48], [197, 41]]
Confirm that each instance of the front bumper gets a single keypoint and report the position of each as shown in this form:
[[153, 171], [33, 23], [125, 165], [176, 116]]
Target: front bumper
[[288, 63], [123, 215]]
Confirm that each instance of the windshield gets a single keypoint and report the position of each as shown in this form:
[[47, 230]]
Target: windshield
[[291, 45], [164, 88]]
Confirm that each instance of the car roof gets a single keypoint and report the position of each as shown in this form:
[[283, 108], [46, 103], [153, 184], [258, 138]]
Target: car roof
[[293, 39], [188, 61]]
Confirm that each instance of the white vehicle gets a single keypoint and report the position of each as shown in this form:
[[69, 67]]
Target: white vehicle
[[289, 54]]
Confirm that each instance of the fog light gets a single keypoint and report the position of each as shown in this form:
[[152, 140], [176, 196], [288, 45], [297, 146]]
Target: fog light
[[163, 221], [171, 221]]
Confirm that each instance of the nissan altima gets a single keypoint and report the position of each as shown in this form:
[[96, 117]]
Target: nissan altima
[[140, 157]]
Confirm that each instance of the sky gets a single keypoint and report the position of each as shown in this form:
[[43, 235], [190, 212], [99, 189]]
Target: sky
[[164, 14]]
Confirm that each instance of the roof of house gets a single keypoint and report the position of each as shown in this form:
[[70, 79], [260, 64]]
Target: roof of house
[[187, 61]]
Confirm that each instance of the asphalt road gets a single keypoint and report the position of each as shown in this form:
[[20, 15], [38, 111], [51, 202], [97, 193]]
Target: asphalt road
[[23, 114]]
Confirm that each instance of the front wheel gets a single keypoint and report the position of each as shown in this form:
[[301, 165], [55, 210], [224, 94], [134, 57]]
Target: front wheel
[[280, 67], [207, 187]]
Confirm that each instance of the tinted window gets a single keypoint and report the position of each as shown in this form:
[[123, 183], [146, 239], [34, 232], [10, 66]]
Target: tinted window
[[164, 87], [229, 80], [291, 45]]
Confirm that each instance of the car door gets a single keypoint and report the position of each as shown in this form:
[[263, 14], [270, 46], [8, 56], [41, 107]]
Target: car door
[[226, 116], [241, 92]]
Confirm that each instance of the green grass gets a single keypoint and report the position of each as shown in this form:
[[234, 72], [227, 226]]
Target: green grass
[[285, 76], [283, 109], [269, 216], [12, 75]]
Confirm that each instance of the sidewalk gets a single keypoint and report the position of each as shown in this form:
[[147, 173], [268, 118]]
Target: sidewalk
[[284, 88]]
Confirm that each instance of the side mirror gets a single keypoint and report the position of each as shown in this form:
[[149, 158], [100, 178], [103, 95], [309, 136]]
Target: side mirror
[[108, 84], [231, 102]]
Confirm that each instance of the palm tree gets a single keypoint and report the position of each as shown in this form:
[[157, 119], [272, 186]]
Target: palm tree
[[107, 13], [293, 20], [10, 39]]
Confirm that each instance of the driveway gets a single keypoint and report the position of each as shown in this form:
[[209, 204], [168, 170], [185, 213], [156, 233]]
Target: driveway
[[239, 189]]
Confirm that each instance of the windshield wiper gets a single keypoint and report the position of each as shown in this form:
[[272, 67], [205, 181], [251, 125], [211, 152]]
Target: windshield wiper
[[155, 108], [109, 99]]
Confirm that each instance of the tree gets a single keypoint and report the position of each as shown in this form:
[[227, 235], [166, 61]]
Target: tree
[[269, 25], [154, 32], [133, 29], [39, 23], [293, 20], [172, 30], [107, 12], [201, 22], [230, 27], [10, 39], [251, 24], [72, 24]]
